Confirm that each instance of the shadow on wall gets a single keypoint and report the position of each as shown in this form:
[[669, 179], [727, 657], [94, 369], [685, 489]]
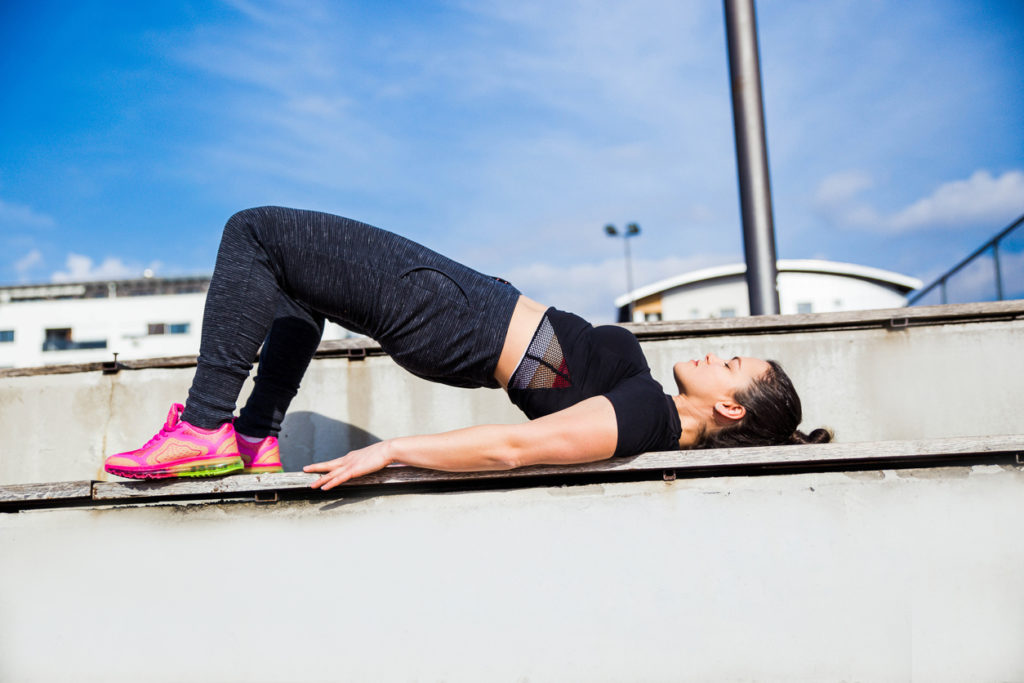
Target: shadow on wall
[[308, 437]]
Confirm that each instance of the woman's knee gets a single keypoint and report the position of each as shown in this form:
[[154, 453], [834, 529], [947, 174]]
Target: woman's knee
[[261, 225], [245, 220]]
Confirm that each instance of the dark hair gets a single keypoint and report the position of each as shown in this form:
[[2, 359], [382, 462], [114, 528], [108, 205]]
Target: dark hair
[[773, 414]]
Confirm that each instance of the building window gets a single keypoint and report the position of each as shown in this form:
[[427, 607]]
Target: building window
[[6, 336], [168, 328], [59, 339], [727, 313], [804, 307], [652, 317]]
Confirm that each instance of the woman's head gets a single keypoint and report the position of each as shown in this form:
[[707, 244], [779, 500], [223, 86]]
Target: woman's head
[[744, 402]]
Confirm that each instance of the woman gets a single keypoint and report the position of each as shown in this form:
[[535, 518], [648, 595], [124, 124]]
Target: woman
[[588, 391]]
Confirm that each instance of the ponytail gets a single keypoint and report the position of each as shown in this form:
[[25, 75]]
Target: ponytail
[[819, 435]]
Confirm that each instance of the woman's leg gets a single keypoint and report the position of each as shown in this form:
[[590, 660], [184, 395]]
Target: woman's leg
[[240, 307], [293, 339], [435, 317], [273, 264]]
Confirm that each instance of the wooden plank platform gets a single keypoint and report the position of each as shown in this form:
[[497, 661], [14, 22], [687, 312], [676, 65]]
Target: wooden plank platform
[[890, 318], [723, 459], [877, 454], [58, 490]]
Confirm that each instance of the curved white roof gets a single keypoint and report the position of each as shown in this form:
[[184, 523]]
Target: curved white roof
[[887, 277]]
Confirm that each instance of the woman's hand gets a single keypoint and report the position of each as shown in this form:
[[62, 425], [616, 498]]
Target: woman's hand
[[355, 464]]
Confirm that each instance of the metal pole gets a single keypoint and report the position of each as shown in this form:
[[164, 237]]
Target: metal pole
[[752, 157], [629, 276], [999, 272]]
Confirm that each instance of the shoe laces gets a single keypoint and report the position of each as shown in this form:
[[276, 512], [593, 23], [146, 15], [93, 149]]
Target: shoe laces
[[170, 425]]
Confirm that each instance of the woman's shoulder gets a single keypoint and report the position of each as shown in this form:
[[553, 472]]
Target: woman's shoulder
[[646, 415]]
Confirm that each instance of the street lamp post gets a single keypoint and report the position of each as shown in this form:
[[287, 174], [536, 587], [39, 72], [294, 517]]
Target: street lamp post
[[631, 230]]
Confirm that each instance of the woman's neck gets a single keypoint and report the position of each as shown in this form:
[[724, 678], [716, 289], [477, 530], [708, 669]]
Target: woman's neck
[[690, 420]]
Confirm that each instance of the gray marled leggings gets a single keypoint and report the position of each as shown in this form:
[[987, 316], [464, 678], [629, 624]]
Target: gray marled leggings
[[281, 272]]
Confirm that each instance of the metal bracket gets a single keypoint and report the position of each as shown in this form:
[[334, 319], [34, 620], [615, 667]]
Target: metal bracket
[[668, 475], [111, 367], [265, 497], [898, 323]]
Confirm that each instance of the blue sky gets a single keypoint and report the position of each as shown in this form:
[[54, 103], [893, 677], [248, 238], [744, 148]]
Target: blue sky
[[505, 134]]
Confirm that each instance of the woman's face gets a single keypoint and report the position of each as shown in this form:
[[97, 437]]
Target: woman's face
[[713, 379]]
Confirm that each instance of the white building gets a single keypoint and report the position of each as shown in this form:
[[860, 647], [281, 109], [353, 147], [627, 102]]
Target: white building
[[85, 322], [805, 286]]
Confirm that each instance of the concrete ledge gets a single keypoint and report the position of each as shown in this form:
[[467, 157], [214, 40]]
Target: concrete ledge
[[712, 462]]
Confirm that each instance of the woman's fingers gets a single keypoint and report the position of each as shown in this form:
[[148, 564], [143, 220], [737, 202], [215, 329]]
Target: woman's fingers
[[332, 468], [340, 470], [332, 478], [325, 466]]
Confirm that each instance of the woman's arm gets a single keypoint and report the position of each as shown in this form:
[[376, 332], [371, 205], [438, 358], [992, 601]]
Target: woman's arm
[[585, 432]]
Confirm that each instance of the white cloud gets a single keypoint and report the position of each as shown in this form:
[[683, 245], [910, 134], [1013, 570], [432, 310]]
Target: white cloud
[[27, 262], [842, 187], [23, 215], [81, 268], [979, 200]]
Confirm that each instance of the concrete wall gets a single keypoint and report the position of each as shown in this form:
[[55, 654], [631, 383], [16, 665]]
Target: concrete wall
[[898, 575], [868, 384], [878, 384]]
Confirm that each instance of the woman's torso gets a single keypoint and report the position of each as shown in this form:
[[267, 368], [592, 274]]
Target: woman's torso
[[553, 360]]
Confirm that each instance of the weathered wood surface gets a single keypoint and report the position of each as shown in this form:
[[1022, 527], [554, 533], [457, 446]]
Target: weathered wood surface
[[881, 453], [219, 486], [53, 491], [885, 317], [355, 347], [670, 329], [98, 366]]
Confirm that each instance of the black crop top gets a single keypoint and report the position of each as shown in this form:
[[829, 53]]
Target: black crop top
[[606, 361]]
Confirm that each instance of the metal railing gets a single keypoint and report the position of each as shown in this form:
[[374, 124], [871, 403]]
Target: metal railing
[[993, 245]]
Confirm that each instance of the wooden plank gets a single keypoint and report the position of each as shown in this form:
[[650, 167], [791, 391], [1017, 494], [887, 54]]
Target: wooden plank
[[763, 324], [51, 370], [53, 491], [165, 362], [223, 486], [876, 452], [349, 347], [98, 366]]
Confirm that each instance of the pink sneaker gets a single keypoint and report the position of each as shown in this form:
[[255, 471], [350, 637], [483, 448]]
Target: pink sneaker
[[180, 450], [262, 456]]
